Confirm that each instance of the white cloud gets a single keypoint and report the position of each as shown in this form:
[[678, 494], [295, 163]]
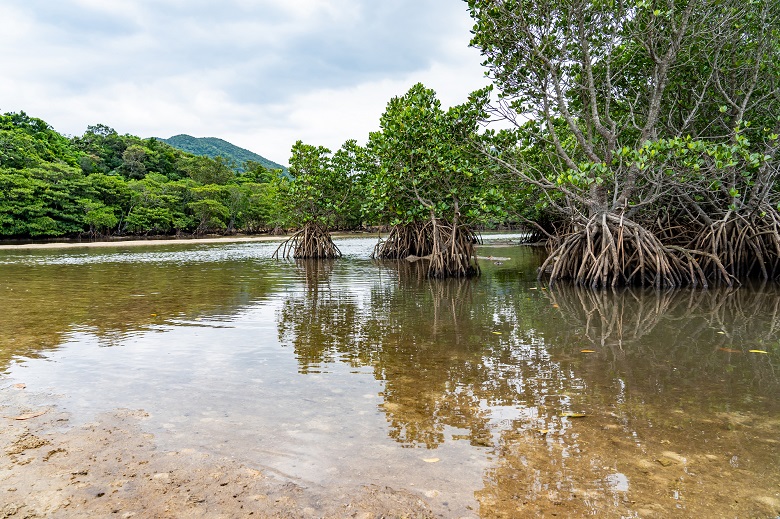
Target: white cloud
[[260, 74], [329, 117]]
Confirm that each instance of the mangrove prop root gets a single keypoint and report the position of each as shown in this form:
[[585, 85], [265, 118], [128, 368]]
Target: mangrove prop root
[[610, 250], [747, 246], [413, 239], [313, 241], [449, 248], [453, 254]]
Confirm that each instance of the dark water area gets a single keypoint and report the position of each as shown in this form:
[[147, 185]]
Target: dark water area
[[494, 397]]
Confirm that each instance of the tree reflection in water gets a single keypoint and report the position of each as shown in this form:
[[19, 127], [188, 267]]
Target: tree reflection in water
[[114, 297], [500, 367], [316, 319], [692, 331]]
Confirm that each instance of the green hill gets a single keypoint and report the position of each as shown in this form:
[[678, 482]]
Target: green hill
[[213, 147]]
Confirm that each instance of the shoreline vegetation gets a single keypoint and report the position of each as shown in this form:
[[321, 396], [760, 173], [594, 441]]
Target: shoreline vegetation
[[135, 241], [642, 144]]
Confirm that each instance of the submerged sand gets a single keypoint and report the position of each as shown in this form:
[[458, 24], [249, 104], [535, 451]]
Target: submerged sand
[[50, 467]]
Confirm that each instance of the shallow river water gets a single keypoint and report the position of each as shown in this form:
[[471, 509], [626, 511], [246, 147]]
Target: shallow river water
[[494, 397]]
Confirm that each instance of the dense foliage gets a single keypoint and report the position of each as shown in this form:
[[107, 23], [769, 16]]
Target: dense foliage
[[324, 194], [103, 183], [643, 146], [425, 166], [648, 129], [214, 147]]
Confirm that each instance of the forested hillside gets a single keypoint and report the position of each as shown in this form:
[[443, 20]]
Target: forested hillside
[[213, 147], [103, 183]]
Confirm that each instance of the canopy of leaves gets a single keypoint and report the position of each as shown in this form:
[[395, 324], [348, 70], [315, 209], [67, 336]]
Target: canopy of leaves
[[423, 163], [597, 79], [103, 183], [322, 185]]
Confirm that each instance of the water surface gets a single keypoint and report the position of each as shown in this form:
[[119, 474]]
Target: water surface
[[495, 397]]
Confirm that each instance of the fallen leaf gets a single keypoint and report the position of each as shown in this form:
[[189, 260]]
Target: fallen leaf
[[497, 333], [27, 416], [722, 333], [729, 350], [555, 306], [533, 288], [431, 460], [664, 462], [587, 351], [543, 431], [569, 414], [153, 315], [757, 351], [20, 386]]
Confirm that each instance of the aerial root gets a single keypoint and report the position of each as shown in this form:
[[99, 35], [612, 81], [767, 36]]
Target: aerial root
[[412, 239], [747, 246], [453, 252], [313, 241], [610, 250], [448, 248]]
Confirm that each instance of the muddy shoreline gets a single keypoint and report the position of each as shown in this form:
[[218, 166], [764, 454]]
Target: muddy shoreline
[[111, 468]]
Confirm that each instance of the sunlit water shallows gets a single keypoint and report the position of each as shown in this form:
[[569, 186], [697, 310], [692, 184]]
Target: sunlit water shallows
[[494, 397]]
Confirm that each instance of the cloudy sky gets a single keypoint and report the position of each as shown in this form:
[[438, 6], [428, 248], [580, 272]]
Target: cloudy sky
[[258, 73]]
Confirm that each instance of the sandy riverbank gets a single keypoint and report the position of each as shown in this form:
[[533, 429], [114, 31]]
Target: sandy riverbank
[[165, 241], [158, 241], [138, 243]]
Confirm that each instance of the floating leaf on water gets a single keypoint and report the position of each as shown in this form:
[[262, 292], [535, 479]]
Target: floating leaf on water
[[587, 351], [154, 315], [431, 460], [27, 416], [730, 350], [758, 351], [569, 414]]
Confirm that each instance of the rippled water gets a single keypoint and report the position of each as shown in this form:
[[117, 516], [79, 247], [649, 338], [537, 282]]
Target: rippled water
[[351, 372]]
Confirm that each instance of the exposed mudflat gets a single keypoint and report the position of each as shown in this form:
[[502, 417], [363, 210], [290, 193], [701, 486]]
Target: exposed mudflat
[[111, 468]]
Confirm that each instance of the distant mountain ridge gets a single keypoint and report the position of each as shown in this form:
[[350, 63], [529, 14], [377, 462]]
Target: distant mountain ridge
[[214, 147]]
